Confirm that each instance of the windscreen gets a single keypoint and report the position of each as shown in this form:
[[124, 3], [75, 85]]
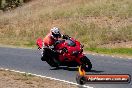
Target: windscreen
[[70, 43]]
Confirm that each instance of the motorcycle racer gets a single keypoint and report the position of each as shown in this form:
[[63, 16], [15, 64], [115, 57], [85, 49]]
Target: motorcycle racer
[[72, 53], [50, 39]]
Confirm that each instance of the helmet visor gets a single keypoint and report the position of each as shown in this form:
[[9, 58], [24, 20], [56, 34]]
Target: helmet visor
[[56, 35]]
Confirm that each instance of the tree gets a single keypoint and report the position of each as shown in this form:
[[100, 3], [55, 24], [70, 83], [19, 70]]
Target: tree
[[9, 4], [0, 3]]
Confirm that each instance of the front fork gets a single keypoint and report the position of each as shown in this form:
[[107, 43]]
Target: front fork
[[79, 57]]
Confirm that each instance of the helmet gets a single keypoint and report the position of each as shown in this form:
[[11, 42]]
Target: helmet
[[55, 32]]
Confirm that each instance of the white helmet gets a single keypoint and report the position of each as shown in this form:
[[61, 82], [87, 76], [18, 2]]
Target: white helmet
[[55, 32]]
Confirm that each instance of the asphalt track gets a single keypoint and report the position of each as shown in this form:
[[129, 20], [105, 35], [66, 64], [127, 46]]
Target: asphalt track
[[28, 60]]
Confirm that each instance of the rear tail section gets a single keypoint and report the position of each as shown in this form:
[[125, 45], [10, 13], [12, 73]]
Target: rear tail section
[[39, 43]]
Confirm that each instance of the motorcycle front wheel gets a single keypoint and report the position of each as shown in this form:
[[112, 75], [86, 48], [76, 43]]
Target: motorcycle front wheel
[[86, 64], [80, 79]]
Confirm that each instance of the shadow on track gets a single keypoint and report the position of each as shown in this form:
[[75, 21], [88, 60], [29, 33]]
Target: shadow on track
[[65, 68], [95, 71], [74, 69]]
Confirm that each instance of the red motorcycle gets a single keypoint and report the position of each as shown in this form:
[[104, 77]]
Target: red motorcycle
[[71, 56]]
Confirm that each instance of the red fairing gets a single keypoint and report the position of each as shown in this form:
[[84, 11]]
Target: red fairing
[[72, 46], [39, 42]]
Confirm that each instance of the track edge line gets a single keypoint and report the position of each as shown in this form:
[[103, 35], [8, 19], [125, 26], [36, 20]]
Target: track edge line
[[51, 78]]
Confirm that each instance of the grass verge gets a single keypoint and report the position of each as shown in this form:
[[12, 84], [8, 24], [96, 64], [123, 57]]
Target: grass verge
[[9, 79], [115, 51], [92, 22]]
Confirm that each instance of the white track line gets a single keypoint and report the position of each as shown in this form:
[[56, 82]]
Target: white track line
[[51, 78]]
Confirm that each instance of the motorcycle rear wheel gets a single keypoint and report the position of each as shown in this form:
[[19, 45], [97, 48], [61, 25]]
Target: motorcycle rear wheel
[[52, 62]]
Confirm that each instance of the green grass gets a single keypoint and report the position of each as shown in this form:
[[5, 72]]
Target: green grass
[[123, 51]]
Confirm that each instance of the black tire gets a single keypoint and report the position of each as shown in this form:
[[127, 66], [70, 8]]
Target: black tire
[[86, 64], [81, 79], [48, 56], [52, 63], [43, 59]]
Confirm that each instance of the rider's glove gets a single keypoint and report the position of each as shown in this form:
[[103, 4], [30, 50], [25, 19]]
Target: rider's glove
[[65, 37]]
